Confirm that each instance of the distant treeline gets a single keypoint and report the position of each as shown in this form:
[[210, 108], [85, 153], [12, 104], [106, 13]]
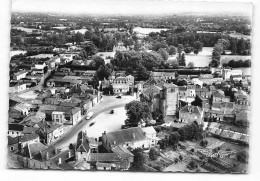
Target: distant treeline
[[238, 64]]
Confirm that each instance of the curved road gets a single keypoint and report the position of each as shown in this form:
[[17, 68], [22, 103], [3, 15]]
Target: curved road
[[107, 103]]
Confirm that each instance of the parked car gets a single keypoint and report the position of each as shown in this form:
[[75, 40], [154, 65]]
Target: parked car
[[119, 97], [112, 111], [89, 115]]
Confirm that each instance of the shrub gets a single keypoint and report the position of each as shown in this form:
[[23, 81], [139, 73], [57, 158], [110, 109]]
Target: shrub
[[154, 153]]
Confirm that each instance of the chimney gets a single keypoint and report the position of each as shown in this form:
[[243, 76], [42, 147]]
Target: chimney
[[69, 154], [114, 142], [47, 156], [105, 132], [59, 162]]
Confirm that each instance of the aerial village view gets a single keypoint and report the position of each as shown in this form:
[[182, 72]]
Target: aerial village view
[[120, 92]]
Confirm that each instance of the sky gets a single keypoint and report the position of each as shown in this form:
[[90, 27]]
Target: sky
[[128, 6]]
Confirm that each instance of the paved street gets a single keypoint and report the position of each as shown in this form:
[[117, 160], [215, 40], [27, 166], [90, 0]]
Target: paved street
[[107, 103]]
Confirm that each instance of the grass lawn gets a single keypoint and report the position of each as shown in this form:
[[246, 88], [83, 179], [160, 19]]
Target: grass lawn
[[202, 59]]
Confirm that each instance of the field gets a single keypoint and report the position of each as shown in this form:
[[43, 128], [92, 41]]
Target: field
[[202, 59], [27, 30]]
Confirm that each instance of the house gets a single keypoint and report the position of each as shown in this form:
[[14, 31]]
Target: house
[[189, 114], [150, 133], [187, 93], [23, 108], [49, 132], [13, 144], [227, 73], [163, 75], [31, 150], [125, 155], [225, 107], [196, 81], [132, 137], [65, 115], [15, 130], [57, 82], [203, 92], [242, 98], [85, 146], [38, 69], [20, 75], [28, 139], [15, 87], [104, 161], [121, 85], [219, 96]]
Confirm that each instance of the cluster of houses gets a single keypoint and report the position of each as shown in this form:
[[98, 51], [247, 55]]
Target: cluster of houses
[[85, 153], [180, 103]]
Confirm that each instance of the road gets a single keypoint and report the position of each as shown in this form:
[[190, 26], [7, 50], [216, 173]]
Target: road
[[107, 103]]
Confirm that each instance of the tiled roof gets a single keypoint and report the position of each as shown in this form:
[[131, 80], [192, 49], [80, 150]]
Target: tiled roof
[[152, 90], [31, 150], [170, 85], [122, 152], [15, 127], [29, 130], [28, 137], [103, 157], [12, 141], [126, 135], [219, 93], [82, 144], [182, 88]]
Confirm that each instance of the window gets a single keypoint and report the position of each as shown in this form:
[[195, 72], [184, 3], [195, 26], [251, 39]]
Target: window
[[12, 132], [12, 148]]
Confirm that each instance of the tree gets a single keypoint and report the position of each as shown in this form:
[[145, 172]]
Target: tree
[[174, 138], [163, 53], [142, 74], [233, 47], [190, 65], [197, 102], [154, 153], [197, 47], [241, 46], [79, 37], [88, 35], [129, 71], [225, 43], [97, 62], [182, 60], [172, 50], [103, 72], [216, 54], [159, 44], [90, 49], [137, 111], [180, 48], [139, 159]]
